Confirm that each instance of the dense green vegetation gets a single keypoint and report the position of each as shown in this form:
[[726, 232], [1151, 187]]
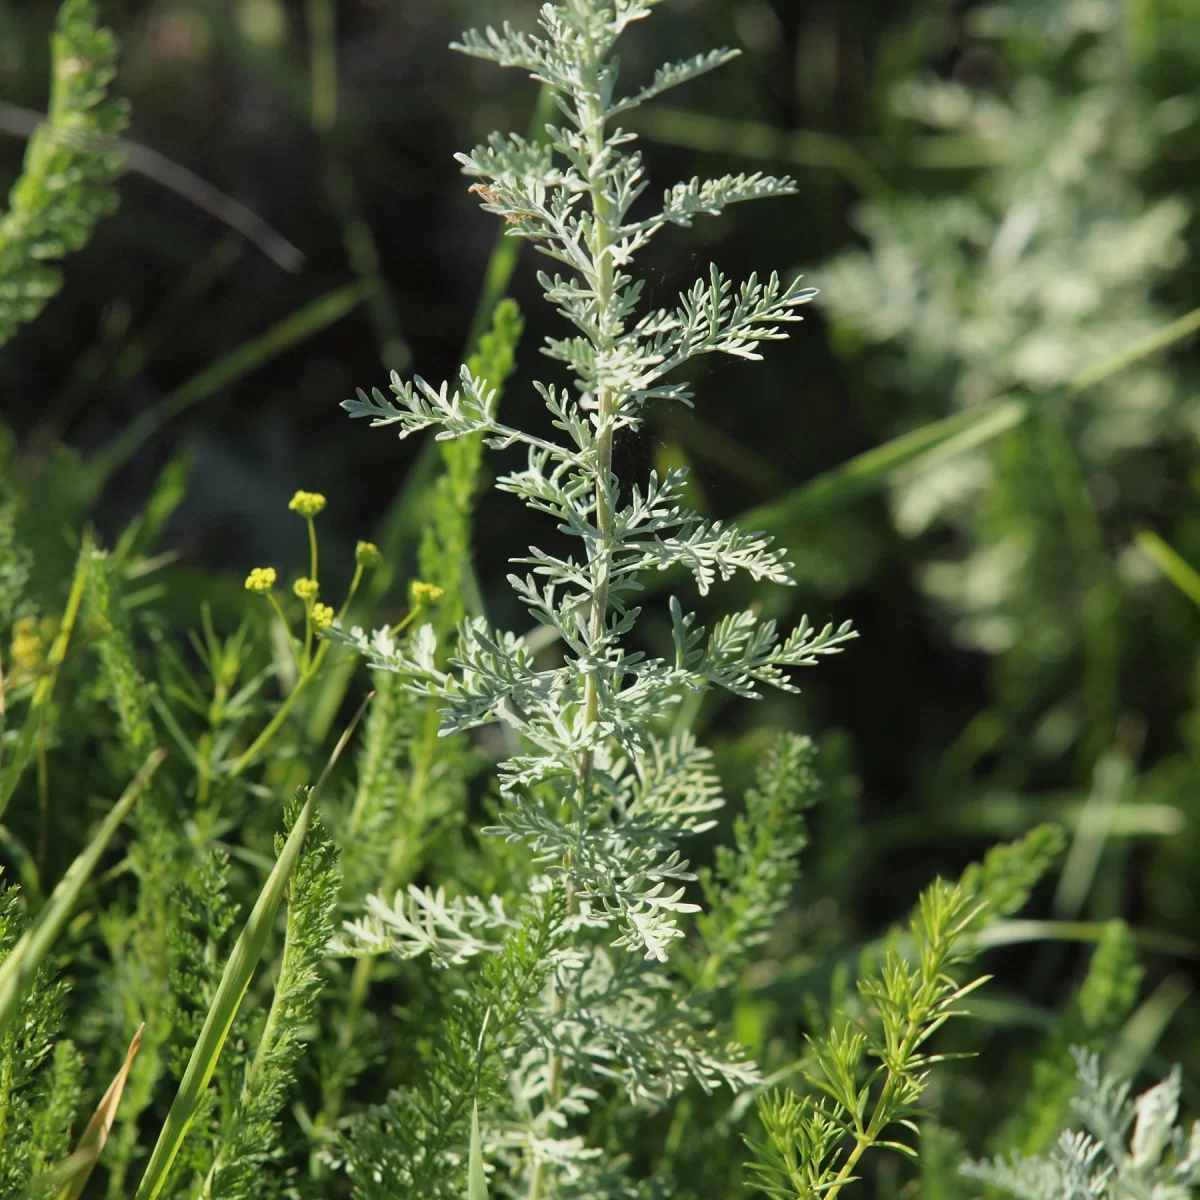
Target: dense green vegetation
[[292, 909]]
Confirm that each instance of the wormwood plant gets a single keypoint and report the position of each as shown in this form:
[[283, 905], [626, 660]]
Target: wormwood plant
[[1131, 1149], [578, 992], [599, 795], [557, 982]]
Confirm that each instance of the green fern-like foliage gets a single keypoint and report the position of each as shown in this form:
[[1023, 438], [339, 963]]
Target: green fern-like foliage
[[66, 185], [865, 1073], [445, 552], [36, 1103], [412, 1145], [753, 878]]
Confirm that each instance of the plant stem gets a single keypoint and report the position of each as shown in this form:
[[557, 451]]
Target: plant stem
[[287, 629], [917, 1018], [256, 747], [602, 264], [312, 549]]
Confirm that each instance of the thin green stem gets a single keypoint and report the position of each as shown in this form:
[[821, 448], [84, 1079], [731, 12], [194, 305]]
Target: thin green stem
[[287, 630], [358, 574], [322, 38], [1160, 339], [255, 749], [401, 626], [918, 1016]]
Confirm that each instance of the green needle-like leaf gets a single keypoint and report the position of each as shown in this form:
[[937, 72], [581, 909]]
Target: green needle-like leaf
[[476, 1180]]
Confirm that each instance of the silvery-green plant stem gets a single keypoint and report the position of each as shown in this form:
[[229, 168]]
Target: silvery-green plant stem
[[602, 262]]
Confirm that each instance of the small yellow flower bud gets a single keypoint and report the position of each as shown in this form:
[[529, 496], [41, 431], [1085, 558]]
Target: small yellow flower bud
[[322, 616], [366, 554], [426, 593], [307, 504], [261, 580], [306, 589]]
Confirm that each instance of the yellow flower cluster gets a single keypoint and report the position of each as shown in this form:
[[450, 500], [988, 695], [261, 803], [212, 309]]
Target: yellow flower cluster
[[426, 593], [322, 616], [307, 504], [306, 589], [366, 554], [261, 580]]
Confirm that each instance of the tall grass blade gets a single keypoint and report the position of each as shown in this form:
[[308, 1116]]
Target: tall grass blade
[[1152, 343], [869, 471], [21, 965], [235, 979], [1180, 573], [476, 1179], [257, 352], [1147, 1024], [757, 139]]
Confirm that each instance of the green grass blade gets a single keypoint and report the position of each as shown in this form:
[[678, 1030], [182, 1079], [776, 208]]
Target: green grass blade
[[1160, 339], [235, 979], [476, 1179], [258, 351], [1019, 931], [920, 448], [21, 965], [1179, 572], [869, 471], [1147, 1024], [1113, 786], [757, 139], [813, 978]]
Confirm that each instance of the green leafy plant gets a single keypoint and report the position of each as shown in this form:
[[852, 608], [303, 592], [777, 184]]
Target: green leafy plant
[[67, 183], [1040, 255], [1129, 1147], [867, 1070]]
